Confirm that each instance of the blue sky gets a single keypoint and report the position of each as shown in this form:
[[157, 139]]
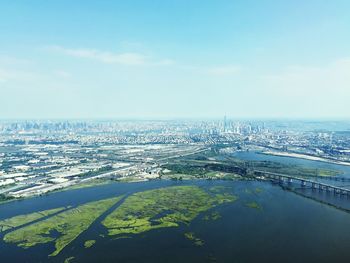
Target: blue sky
[[174, 59]]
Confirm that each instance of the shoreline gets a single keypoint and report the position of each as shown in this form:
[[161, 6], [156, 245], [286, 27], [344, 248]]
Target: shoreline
[[100, 183], [306, 157]]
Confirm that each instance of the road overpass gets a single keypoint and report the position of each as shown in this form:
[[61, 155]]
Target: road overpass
[[304, 182]]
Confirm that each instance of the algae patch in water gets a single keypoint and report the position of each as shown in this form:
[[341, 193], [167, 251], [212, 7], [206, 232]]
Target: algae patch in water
[[258, 190], [89, 243], [254, 191], [219, 189], [62, 228], [197, 241], [160, 208], [212, 216], [253, 205], [69, 260]]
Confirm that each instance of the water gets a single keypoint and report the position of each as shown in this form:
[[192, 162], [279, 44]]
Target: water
[[288, 228], [257, 156]]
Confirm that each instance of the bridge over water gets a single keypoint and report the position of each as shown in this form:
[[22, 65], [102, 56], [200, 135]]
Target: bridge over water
[[303, 181]]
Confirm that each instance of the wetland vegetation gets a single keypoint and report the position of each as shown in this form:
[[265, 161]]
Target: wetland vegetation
[[140, 212], [159, 208], [20, 220], [62, 228]]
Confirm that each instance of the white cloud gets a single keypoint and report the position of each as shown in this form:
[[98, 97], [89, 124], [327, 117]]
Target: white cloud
[[111, 58]]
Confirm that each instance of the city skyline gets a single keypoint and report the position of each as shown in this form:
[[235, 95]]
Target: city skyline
[[174, 59]]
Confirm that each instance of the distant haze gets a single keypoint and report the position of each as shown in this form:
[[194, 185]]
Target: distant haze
[[174, 59]]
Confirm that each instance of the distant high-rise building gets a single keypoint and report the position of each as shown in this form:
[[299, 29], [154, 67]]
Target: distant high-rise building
[[225, 124]]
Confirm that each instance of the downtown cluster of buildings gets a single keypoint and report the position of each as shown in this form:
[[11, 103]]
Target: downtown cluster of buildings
[[41, 156]]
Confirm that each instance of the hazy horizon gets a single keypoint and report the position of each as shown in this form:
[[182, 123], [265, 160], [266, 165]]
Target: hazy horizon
[[219, 118], [175, 60]]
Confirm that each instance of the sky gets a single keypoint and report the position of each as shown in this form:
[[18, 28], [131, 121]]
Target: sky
[[165, 59]]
